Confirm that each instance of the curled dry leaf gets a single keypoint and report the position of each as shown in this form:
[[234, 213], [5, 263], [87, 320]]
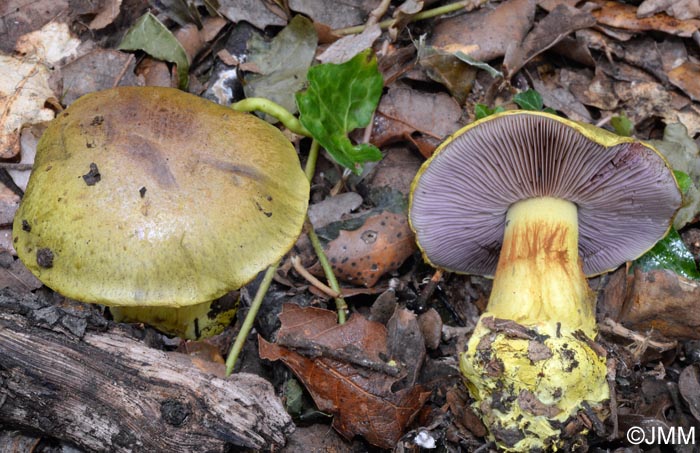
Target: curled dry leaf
[[687, 78], [24, 88], [359, 397], [424, 119], [108, 12], [485, 34], [551, 29], [680, 9], [624, 16], [363, 255], [665, 302], [347, 47]]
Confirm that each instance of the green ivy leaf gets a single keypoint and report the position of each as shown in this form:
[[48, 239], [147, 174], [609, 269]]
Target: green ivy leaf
[[672, 254], [529, 100], [684, 181], [482, 111], [150, 35], [622, 125], [339, 99]]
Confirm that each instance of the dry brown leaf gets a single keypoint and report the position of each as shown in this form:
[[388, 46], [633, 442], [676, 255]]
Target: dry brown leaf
[[254, 12], [396, 170], [14, 275], [363, 255], [562, 21], [106, 15], [689, 388], [99, 70], [620, 15], [687, 78], [558, 97], [18, 17], [680, 9], [333, 208], [345, 48], [24, 88], [53, 43], [347, 13], [448, 70], [485, 34], [360, 398], [9, 201], [595, 91], [424, 119], [665, 302], [405, 344]]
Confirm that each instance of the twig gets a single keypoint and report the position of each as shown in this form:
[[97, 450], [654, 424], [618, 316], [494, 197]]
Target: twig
[[310, 349], [611, 378], [420, 16], [428, 289], [247, 325], [123, 70], [610, 326], [377, 13], [15, 166], [296, 263]]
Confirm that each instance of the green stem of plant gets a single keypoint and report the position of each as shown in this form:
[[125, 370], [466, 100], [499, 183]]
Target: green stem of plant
[[310, 168], [250, 318], [289, 121], [340, 305], [280, 112], [420, 16]]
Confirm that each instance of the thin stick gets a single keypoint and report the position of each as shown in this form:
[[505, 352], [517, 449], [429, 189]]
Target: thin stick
[[250, 318], [289, 121], [420, 16], [15, 166], [610, 326], [296, 263]]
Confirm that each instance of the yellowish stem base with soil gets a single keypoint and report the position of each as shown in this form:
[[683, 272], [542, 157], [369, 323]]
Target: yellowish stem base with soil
[[530, 363]]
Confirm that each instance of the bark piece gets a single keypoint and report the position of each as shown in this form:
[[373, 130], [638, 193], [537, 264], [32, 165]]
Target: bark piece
[[112, 393]]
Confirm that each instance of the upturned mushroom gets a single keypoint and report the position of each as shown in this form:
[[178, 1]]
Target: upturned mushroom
[[158, 203], [540, 202]]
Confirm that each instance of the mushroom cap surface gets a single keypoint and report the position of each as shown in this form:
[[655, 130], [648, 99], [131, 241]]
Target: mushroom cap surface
[[625, 191], [152, 196]]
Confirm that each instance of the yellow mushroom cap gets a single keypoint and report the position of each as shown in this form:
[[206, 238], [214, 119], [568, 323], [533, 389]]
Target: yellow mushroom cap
[[155, 197]]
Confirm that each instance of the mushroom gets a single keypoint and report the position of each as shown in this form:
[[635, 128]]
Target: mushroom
[[540, 202], [158, 202]]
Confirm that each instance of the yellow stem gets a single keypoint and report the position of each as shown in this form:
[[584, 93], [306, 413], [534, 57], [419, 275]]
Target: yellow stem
[[539, 281]]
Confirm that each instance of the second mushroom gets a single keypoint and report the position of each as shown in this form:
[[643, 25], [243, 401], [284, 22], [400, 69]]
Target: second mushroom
[[540, 202]]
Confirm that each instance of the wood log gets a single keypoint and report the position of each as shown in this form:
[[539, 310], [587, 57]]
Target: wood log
[[108, 392]]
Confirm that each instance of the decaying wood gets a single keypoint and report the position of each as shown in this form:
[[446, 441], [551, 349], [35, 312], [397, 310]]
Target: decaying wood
[[108, 392]]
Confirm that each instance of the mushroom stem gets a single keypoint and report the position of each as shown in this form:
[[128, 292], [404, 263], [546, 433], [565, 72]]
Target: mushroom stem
[[539, 280], [531, 363]]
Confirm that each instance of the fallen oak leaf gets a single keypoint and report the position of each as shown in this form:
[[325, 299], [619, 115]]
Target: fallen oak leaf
[[360, 398], [619, 15]]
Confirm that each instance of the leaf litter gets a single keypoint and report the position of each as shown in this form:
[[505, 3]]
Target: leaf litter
[[593, 61]]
